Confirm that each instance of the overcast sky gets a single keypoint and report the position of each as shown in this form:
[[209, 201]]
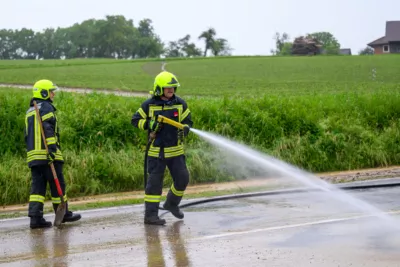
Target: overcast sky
[[249, 29]]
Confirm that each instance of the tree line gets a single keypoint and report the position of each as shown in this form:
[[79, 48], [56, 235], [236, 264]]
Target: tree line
[[111, 37]]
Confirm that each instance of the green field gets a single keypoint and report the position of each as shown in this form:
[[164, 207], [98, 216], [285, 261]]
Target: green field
[[252, 75], [318, 113]]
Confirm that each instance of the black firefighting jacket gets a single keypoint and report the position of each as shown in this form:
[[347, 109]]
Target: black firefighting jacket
[[166, 144], [35, 149]]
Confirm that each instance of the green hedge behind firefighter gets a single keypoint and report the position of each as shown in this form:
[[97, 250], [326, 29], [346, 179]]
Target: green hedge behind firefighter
[[39, 160], [166, 146]]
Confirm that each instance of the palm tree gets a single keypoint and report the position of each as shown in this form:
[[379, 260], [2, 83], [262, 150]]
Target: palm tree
[[220, 47], [208, 37]]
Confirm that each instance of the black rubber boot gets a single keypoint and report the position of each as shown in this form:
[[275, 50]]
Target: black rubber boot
[[175, 210], [39, 222], [71, 217], [151, 214], [155, 220]]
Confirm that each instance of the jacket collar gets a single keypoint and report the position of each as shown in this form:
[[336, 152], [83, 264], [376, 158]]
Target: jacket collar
[[168, 102], [41, 101]]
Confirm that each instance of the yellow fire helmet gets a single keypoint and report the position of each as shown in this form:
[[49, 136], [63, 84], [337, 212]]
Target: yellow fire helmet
[[164, 79], [42, 89]]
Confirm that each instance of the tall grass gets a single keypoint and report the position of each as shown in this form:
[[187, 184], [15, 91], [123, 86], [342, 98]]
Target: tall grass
[[92, 172], [104, 153]]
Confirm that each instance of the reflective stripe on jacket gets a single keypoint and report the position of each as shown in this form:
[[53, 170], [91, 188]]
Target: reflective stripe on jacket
[[166, 144], [35, 149]]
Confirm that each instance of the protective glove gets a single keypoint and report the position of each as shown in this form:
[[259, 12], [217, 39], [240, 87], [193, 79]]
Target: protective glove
[[52, 153], [186, 130], [183, 133], [154, 125]]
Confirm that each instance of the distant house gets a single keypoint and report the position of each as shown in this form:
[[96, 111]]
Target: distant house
[[390, 43], [306, 46], [345, 51]]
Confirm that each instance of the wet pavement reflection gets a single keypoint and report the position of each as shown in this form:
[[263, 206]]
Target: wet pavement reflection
[[305, 229], [155, 254], [55, 246]]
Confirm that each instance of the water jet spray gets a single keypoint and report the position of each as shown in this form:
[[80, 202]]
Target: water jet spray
[[291, 171]]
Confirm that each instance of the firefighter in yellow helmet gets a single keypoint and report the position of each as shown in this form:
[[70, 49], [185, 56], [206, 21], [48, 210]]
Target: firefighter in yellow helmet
[[38, 159], [166, 149]]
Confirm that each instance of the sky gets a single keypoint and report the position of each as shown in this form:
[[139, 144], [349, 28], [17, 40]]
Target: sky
[[249, 29]]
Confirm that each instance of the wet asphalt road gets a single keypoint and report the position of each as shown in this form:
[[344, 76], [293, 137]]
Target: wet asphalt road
[[303, 229]]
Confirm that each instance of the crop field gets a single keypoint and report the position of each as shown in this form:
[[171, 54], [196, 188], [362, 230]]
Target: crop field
[[318, 113], [221, 76]]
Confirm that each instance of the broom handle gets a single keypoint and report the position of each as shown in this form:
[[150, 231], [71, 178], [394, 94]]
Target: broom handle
[[47, 150]]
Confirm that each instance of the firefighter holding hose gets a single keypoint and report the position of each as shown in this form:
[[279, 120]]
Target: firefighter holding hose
[[165, 147]]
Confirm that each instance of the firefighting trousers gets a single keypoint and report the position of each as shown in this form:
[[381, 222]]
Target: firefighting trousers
[[153, 191], [41, 175]]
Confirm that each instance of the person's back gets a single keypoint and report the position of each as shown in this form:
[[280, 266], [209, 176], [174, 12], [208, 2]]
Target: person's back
[[36, 153], [39, 160]]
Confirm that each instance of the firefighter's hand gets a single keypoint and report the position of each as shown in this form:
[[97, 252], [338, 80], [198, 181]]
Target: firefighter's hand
[[186, 130], [181, 135], [51, 156], [154, 125], [52, 153]]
